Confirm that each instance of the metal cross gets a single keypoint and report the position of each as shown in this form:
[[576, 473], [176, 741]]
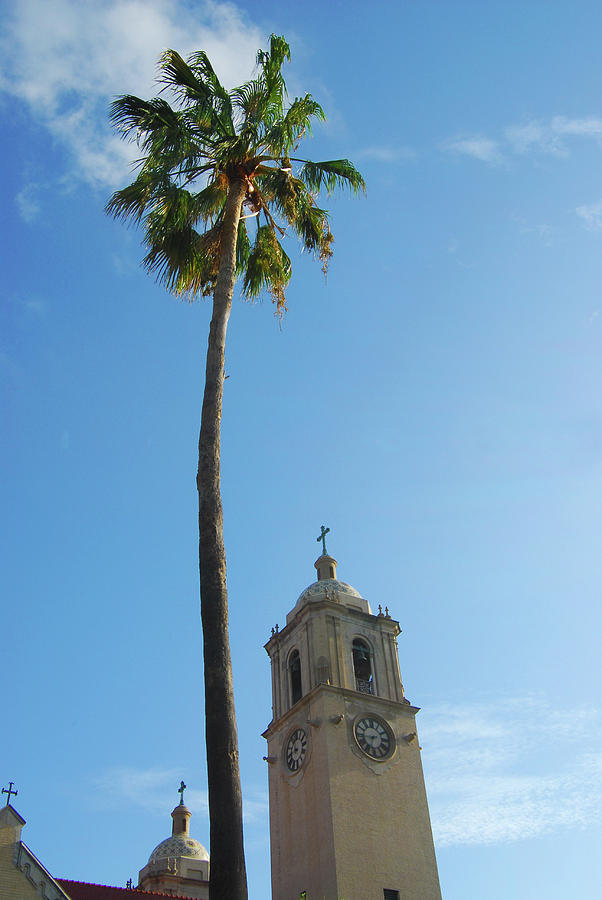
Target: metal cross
[[10, 791], [322, 537], [181, 792]]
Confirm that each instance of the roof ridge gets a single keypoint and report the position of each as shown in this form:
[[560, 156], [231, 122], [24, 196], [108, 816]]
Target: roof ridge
[[126, 890]]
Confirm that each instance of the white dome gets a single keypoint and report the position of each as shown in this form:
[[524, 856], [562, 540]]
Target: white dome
[[330, 589], [177, 846], [327, 586]]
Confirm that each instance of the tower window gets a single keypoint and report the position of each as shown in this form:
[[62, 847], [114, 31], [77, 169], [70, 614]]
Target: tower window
[[362, 667], [390, 895], [295, 675]]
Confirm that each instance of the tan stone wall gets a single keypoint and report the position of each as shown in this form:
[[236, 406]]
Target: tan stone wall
[[13, 883], [347, 826], [344, 825], [323, 634]]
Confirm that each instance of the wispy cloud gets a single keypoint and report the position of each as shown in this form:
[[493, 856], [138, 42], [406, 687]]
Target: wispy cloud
[[148, 789], [550, 137], [591, 215], [27, 202], [153, 790], [477, 146], [545, 232], [492, 776], [385, 154], [66, 60]]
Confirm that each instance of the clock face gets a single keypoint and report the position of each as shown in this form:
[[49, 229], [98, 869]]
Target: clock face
[[296, 750], [374, 737]]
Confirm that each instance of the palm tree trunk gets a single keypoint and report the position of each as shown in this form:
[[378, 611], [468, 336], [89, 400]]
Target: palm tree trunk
[[228, 880]]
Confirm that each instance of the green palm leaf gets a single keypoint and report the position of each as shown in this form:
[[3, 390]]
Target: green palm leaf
[[268, 268], [331, 175], [216, 137]]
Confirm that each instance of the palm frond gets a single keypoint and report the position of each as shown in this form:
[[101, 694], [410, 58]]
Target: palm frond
[[135, 199], [194, 80], [209, 202], [200, 64], [271, 63], [285, 133], [184, 261], [262, 100], [243, 248], [332, 174], [268, 268], [132, 115]]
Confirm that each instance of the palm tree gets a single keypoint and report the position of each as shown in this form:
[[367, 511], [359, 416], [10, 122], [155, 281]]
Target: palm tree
[[216, 193]]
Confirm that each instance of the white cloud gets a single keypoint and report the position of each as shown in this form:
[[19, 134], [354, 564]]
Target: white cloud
[[384, 154], [154, 789], [66, 59], [588, 127], [529, 136], [255, 806], [550, 137], [148, 789], [27, 202], [492, 776], [591, 215], [534, 136], [477, 146]]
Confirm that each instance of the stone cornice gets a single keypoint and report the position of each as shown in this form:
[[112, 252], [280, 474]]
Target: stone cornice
[[383, 702], [340, 610]]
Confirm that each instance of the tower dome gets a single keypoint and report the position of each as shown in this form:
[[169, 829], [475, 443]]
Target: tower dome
[[178, 845], [179, 864], [328, 587]]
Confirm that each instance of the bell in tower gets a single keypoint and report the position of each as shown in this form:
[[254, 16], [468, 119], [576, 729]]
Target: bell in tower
[[348, 809]]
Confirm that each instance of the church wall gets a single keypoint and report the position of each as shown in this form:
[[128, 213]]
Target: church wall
[[381, 824], [346, 826], [15, 885], [301, 834], [22, 876]]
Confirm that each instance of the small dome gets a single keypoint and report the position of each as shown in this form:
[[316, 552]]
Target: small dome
[[330, 589], [327, 586], [178, 845]]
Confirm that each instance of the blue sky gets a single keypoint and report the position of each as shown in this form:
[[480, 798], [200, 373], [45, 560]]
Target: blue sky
[[436, 401]]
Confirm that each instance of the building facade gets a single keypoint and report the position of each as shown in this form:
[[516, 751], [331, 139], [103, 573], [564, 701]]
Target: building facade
[[177, 869], [348, 809]]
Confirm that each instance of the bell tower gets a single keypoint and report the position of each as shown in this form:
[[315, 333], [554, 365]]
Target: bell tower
[[348, 809]]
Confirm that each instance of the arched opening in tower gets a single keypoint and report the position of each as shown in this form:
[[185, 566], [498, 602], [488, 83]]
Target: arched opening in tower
[[362, 667], [295, 676]]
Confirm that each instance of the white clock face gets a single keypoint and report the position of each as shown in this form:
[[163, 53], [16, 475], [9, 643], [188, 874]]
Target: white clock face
[[374, 737], [296, 750]]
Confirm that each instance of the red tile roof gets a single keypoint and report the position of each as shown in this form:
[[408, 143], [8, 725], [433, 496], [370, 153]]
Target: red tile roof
[[80, 890]]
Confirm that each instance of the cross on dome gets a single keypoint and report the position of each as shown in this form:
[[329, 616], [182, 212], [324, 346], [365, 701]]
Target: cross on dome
[[322, 537]]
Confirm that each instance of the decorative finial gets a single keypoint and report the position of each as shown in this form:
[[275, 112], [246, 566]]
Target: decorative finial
[[322, 537], [128, 886], [181, 790], [9, 791]]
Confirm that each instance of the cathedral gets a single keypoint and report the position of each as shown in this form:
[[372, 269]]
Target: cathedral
[[177, 867], [348, 809]]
